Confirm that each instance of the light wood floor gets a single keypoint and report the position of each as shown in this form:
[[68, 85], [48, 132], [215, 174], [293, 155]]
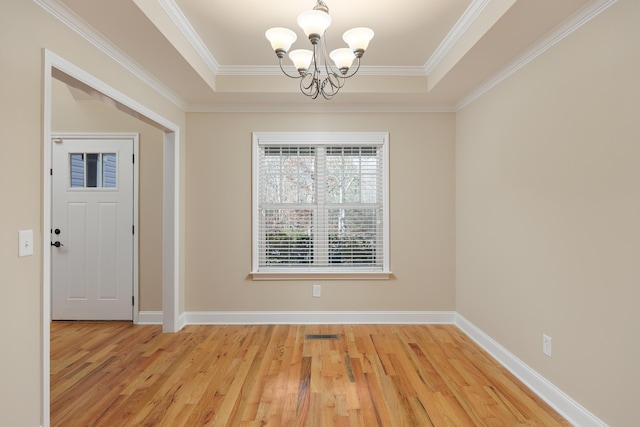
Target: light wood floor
[[118, 374]]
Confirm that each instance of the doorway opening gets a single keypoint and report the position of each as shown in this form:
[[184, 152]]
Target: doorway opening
[[56, 67]]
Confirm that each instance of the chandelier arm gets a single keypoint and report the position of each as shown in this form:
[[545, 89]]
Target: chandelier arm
[[331, 85], [287, 74], [339, 81], [328, 96], [307, 87], [330, 68], [352, 73], [327, 61], [311, 89], [316, 68]]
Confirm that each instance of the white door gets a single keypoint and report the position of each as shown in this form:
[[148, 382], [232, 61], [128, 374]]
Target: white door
[[92, 229]]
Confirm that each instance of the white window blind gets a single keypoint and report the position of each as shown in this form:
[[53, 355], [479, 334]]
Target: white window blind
[[320, 203]]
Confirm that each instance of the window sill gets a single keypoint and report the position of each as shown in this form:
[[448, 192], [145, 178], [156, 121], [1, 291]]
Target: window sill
[[315, 275]]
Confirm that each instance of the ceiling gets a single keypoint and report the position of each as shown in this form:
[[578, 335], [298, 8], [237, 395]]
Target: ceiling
[[426, 55]]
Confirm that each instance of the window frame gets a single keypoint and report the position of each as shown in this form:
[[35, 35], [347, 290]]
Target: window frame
[[299, 139], [100, 175]]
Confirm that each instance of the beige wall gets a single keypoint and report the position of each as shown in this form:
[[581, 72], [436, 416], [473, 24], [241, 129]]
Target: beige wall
[[545, 228], [26, 29], [548, 213], [89, 115], [219, 215]]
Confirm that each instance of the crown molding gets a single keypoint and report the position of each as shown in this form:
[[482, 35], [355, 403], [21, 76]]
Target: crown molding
[[320, 108], [463, 24], [183, 24], [567, 27], [273, 70], [90, 34]]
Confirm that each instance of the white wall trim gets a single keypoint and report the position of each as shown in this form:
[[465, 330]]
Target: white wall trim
[[181, 321], [567, 27], [45, 404], [175, 13], [149, 318], [80, 27], [320, 108], [575, 413], [463, 24], [305, 317], [365, 70]]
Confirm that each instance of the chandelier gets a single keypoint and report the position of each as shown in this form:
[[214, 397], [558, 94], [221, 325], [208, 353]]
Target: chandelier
[[317, 75]]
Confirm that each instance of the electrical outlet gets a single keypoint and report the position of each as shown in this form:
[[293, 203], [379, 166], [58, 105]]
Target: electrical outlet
[[546, 345], [316, 291]]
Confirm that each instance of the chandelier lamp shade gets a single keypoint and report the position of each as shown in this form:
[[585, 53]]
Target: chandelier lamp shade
[[316, 73]]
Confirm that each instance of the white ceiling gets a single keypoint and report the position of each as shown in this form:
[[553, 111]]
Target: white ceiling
[[427, 55]]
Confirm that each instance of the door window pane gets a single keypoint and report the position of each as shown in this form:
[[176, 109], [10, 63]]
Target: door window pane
[[109, 170], [77, 170], [93, 170]]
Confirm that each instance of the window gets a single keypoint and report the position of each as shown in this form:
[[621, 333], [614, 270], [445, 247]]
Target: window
[[92, 170], [320, 203]]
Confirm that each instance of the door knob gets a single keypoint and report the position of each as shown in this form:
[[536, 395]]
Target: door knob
[[57, 244]]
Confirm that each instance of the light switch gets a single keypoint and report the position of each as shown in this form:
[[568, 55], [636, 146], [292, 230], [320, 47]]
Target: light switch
[[25, 243]]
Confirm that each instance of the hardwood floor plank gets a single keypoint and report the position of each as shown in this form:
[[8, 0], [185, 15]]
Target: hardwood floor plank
[[116, 374], [368, 410], [303, 401]]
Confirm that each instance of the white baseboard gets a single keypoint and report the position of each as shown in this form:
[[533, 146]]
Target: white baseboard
[[318, 317], [150, 318], [300, 317], [575, 413], [182, 321]]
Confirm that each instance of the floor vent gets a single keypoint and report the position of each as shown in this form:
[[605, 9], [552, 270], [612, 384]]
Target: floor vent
[[322, 337]]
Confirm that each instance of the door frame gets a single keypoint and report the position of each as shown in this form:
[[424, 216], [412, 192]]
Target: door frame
[[56, 67], [134, 137]]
